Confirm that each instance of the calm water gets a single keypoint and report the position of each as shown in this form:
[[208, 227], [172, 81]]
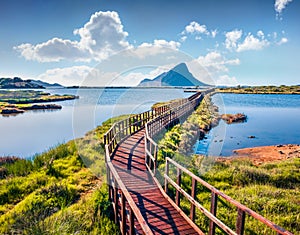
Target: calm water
[[34, 132], [272, 119]]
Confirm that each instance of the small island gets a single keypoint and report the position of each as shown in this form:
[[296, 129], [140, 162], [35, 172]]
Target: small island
[[18, 101]]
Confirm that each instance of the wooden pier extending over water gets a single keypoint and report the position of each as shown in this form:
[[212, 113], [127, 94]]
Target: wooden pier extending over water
[[141, 204]]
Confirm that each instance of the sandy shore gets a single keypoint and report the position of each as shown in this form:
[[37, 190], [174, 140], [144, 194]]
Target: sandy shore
[[265, 154]]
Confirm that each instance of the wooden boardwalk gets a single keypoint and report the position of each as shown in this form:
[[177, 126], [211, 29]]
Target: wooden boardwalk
[[140, 204], [158, 212]]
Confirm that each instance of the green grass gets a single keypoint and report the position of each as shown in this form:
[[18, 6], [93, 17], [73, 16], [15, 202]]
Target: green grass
[[272, 190], [56, 193]]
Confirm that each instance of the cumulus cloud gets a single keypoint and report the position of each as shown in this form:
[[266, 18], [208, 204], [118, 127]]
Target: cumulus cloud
[[226, 80], [214, 33], [162, 43], [235, 41], [195, 28], [213, 68], [252, 43], [283, 41], [157, 47], [78, 75], [216, 63], [232, 38], [280, 5], [101, 36]]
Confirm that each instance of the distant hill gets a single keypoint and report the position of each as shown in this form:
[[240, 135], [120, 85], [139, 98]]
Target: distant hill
[[45, 84], [18, 83], [177, 76]]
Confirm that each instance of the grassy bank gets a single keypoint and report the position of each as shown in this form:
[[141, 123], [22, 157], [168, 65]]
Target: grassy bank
[[261, 90], [272, 190], [55, 193]]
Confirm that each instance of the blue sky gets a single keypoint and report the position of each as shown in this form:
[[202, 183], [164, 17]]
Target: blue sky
[[233, 41]]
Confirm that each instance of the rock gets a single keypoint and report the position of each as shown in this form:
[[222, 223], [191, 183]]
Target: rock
[[201, 134], [251, 137], [234, 118]]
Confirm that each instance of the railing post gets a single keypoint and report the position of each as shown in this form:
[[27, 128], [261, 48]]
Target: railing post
[[179, 184], [213, 210], [193, 194], [131, 222], [155, 160], [240, 222], [167, 173], [116, 202], [123, 214]]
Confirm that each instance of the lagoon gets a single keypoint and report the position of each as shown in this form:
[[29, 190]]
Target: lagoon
[[272, 119], [33, 132]]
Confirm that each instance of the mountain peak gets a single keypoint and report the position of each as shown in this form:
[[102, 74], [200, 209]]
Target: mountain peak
[[177, 76]]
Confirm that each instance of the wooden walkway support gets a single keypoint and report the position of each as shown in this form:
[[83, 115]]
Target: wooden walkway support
[[141, 205]]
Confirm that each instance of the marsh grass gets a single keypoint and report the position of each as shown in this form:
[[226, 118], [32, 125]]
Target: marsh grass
[[271, 189], [54, 193]]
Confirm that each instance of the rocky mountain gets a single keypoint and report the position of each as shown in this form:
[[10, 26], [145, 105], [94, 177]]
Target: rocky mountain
[[177, 77], [18, 83]]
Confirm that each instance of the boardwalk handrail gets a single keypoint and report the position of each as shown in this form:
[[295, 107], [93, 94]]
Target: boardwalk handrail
[[115, 184], [215, 193], [165, 120], [126, 127], [154, 127], [154, 122], [112, 138]]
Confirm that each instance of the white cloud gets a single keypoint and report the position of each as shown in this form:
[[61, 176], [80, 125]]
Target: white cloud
[[157, 47], [66, 76], [226, 80], [216, 63], [162, 43], [212, 68], [260, 34], [232, 38], [78, 75], [283, 41], [195, 28], [214, 33], [280, 5], [252, 43], [101, 36], [183, 38], [54, 50]]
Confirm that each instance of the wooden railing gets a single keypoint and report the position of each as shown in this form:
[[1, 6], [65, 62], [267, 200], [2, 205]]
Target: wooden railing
[[124, 128], [121, 198], [129, 213], [165, 120], [215, 194]]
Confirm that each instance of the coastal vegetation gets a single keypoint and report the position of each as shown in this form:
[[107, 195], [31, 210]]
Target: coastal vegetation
[[18, 101], [270, 189], [261, 89], [55, 192]]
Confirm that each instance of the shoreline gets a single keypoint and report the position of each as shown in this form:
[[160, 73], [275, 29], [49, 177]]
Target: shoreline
[[264, 154]]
